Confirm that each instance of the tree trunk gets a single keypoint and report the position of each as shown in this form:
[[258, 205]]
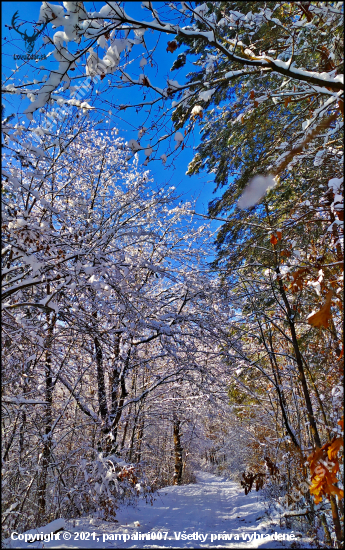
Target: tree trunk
[[46, 454], [336, 520], [326, 530], [128, 414], [140, 439], [102, 398], [278, 382], [299, 361], [117, 381], [178, 453], [290, 319]]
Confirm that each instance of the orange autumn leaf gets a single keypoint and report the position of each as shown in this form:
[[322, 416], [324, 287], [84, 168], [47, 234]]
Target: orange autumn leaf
[[323, 473], [334, 448], [317, 456], [323, 485], [279, 235], [274, 239], [341, 421], [322, 317]]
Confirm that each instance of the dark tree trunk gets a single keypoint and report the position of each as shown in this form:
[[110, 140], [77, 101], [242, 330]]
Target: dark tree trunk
[[140, 439], [105, 443], [102, 398], [118, 385], [178, 453], [125, 430], [134, 429], [46, 454], [336, 521]]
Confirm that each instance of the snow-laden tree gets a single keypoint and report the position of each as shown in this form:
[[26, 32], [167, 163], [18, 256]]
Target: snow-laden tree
[[258, 59], [107, 306]]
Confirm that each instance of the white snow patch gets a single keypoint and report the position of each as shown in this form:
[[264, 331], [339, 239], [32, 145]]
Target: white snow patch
[[207, 94], [335, 184], [255, 190], [178, 137], [213, 505]]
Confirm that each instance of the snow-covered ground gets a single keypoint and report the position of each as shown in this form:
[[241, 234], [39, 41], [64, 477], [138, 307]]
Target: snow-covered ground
[[213, 506]]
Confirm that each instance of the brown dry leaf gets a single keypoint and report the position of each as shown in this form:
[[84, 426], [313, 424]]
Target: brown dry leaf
[[145, 82], [341, 421], [322, 317], [279, 235], [172, 46], [252, 94], [256, 103], [274, 239], [298, 282]]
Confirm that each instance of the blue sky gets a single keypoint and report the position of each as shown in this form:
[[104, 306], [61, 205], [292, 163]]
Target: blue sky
[[198, 186]]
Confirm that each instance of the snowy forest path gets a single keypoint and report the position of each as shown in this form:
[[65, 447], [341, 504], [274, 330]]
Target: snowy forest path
[[213, 505]]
